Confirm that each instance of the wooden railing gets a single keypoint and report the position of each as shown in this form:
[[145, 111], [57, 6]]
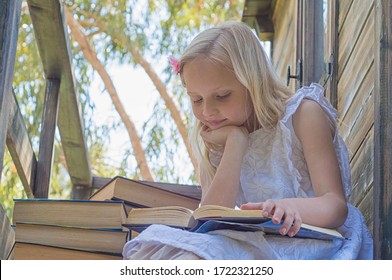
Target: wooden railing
[[61, 105]]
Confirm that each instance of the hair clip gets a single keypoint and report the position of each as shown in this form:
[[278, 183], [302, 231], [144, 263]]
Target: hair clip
[[174, 64]]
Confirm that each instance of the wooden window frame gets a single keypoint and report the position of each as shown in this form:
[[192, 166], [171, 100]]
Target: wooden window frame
[[312, 48]]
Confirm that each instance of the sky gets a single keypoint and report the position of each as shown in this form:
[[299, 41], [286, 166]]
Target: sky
[[138, 95]]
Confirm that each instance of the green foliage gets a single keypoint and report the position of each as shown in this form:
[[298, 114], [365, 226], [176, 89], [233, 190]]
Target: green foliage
[[157, 29], [10, 186]]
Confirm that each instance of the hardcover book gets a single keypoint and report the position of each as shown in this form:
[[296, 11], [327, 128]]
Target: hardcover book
[[85, 239], [148, 194], [28, 251], [77, 213]]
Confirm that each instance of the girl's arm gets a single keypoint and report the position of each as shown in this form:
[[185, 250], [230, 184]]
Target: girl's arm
[[225, 185], [329, 208]]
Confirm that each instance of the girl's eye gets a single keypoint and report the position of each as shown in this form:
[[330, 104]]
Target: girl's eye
[[197, 101], [221, 97]]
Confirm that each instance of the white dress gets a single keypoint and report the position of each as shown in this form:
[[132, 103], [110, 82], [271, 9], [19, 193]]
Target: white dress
[[273, 167]]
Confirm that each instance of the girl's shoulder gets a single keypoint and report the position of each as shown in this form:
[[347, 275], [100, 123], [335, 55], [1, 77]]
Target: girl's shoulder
[[308, 100]]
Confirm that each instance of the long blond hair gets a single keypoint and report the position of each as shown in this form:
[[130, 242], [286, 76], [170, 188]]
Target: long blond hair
[[236, 47]]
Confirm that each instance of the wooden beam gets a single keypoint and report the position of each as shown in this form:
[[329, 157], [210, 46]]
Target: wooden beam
[[19, 146], [48, 129], [9, 26], [53, 44], [383, 131], [258, 15]]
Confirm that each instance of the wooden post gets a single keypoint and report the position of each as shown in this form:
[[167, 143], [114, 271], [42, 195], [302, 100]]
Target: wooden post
[[9, 26], [333, 48], [48, 129], [309, 42], [383, 131]]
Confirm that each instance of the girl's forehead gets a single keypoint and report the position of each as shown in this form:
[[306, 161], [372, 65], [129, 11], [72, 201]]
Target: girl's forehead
[[206, 71]]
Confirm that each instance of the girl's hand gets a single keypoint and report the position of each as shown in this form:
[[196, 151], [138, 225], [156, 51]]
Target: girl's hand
[[279, 210], [220, 135]]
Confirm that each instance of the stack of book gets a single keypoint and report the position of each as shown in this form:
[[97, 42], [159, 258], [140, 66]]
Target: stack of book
[[94, 228], [49, 229]]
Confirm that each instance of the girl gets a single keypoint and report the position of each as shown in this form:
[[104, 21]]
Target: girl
[[260, 147]]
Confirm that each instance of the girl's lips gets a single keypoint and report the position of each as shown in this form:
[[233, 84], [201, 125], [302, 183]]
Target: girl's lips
[[214, 123]]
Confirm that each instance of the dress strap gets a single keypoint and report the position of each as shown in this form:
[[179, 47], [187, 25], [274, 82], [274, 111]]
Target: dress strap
[[314, 92]]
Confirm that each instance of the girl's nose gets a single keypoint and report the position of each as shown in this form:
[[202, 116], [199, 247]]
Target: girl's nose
[[209, 109]]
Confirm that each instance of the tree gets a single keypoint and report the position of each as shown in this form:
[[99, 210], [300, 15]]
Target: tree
[[180, 21], [142, 33]]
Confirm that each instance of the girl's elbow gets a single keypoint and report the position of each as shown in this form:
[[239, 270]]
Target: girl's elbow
[[341, 213]]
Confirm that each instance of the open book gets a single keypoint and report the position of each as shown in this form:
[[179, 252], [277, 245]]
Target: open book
[[212, 217]]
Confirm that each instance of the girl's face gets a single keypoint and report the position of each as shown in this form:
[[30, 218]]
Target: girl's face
[[218, 98]]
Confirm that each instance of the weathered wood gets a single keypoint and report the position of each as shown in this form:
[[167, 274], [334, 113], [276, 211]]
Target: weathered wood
[[367, 209], [9, 26], [359, 118], [344, 7], [356, 68], [52, 39], [383, 131], [360, 13], [312, 39], [7, 235], [48, 129], [19, 146], [331, 87], [257, 14], [362, 169]]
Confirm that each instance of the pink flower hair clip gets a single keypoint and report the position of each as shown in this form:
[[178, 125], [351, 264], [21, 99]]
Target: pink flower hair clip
[[175, 64]]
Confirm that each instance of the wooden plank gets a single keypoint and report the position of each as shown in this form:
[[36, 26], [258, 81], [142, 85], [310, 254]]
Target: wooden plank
[[48, 128], [360, 13], [7, 235], [355, 124], [367, 209], [52, 39], [20, 148], [344, 8], [362, 168], [9, 26], [383, 132], [356, 68]]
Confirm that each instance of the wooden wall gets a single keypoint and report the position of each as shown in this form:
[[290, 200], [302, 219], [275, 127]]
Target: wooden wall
[[355, 84], [356, 76]]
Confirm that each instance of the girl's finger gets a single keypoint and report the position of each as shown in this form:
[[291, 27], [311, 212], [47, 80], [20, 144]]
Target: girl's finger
[[295, 227], [287, 224], [252, 206]]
